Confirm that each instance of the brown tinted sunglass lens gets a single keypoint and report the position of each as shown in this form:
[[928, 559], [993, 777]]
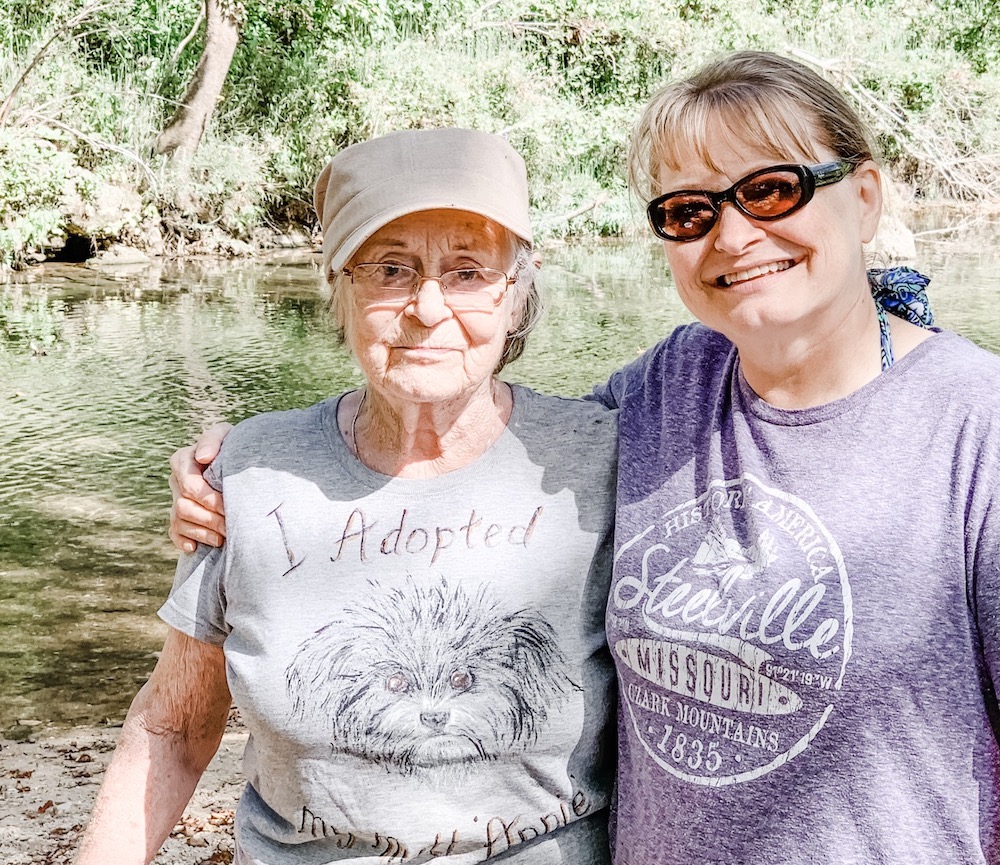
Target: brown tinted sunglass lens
[[768, 196], [686, 216]]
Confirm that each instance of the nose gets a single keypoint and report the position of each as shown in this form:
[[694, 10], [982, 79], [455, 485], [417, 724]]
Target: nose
[[428, 306], [735, 231], [436, 721]]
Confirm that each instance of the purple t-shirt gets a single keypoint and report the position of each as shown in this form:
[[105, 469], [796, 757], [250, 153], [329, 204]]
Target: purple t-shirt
[[804, 613]]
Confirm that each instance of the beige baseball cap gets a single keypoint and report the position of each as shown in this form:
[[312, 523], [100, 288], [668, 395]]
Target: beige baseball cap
[[368, 185]]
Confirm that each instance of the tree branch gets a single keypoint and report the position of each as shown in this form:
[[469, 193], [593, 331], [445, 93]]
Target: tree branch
[[586, 208], [184, 42], [66, 26], [98, 144]]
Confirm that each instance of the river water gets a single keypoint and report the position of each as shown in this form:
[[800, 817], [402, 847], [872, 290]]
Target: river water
[[104, 373]]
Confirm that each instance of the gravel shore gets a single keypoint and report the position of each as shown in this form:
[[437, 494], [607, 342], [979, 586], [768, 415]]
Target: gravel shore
[[48, 786]]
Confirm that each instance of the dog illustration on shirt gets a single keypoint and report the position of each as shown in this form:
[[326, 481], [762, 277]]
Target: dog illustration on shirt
[[418, 676]]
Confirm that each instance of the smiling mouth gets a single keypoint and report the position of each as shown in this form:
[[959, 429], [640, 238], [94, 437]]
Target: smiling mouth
[[728, 279]]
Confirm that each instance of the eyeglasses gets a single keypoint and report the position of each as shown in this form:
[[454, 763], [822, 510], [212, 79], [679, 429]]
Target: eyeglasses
[[771, 193], [466, 288]]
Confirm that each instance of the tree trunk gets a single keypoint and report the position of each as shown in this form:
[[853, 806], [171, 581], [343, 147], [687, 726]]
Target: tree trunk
[[182, 134]]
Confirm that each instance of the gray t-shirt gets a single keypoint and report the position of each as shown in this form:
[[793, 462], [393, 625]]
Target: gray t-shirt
[[421, 664], [804, 613]]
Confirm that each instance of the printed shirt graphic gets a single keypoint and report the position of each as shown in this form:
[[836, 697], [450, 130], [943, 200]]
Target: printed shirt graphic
[[417, 677], [704, 689], [421, 664], [804, 613]]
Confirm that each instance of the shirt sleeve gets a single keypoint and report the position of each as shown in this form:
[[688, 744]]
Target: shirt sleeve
[[196, 605], [612, 392]]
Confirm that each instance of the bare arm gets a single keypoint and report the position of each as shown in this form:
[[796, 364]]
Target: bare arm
[[198, 514], [171, 733]]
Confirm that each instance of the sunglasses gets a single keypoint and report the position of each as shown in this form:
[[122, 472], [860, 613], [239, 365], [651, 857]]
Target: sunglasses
[[771, 193]]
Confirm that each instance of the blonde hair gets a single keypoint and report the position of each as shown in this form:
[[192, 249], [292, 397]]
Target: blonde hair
[[765, 100]]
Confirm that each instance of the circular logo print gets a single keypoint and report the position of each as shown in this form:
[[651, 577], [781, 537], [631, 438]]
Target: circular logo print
[[731, 622]]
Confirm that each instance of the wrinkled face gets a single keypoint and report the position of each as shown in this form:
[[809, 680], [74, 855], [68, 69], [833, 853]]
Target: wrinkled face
[[425, 351], [753, 280]]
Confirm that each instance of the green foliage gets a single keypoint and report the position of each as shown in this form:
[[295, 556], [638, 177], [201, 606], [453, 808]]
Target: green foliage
[[223, 182], [563, 79], [601, 51], [972, 28], [33, 176]]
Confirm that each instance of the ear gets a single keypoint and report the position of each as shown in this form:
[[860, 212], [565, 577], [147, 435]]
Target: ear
[[868, 181], [516, 316]]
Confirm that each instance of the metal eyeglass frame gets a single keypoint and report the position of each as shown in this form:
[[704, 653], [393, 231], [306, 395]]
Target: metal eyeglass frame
[[422, 278]]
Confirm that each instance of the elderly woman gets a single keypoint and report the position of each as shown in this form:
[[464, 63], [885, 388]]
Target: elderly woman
[[804, 607], [408, 610]]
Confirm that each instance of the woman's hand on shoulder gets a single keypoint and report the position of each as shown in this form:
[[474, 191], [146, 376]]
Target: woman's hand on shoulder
[[197, 514]]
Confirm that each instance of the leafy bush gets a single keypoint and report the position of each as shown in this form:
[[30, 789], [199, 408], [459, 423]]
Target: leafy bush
[[563, 79], [34, 174]]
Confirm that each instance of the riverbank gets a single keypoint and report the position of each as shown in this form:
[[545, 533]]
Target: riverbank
[[48, 787], [90, 88], [905, 220]]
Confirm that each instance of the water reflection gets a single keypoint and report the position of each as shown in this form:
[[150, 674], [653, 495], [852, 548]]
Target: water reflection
[[964, 284], [103, 374]]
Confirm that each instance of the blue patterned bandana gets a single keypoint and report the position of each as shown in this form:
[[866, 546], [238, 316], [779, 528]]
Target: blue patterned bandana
[[901, 291]]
